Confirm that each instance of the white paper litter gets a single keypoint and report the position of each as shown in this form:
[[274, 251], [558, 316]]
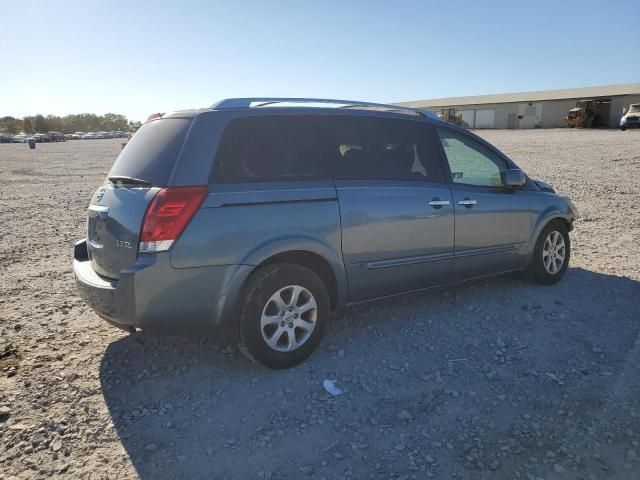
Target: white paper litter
[[330, 387]]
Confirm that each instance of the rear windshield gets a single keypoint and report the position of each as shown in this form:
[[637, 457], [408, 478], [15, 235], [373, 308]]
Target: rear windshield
[[152, 151]]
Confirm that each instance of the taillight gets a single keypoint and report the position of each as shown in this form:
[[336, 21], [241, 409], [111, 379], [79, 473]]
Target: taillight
[[167, 216]]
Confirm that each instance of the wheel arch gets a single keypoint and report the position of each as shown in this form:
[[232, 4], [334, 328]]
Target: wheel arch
[[316, 255], [314, 262], [550, 215]]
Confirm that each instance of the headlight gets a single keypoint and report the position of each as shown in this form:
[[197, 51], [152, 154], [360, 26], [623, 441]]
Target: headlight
[[623, 121]]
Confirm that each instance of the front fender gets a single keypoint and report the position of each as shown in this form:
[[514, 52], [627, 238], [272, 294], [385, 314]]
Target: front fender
[[547, 215]]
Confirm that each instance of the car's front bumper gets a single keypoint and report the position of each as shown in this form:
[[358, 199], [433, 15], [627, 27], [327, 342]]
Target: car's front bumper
[[152, 295]]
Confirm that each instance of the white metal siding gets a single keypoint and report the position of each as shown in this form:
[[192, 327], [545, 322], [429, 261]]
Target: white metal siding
[[468, 116], [485, 118], [530, 115]]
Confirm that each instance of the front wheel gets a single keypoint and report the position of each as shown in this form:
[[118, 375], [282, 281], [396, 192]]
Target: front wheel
[[283, 314], [551, 254]]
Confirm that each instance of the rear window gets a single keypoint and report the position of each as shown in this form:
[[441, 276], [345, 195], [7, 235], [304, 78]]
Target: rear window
[[152, 151], [271, 148]]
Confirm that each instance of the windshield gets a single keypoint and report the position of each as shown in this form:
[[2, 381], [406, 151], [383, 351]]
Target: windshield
[[634, 108]]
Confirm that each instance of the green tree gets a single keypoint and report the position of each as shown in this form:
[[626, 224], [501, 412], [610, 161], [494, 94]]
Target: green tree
[[133, 126], [27, 125], [114, 121], [40, 124], [10, 124]]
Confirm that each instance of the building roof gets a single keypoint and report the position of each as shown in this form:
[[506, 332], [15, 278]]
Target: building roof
[[536, 96]]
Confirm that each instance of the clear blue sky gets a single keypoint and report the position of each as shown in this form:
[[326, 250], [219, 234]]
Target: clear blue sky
[[137, 57]]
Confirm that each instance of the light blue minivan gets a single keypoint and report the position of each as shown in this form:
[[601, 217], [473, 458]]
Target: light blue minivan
[[270, 213]]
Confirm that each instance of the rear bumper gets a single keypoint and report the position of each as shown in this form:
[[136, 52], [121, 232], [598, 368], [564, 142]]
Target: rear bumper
[[152, 295]]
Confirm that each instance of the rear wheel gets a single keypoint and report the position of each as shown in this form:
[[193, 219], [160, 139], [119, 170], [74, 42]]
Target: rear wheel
[[283, 314], [551, 254]]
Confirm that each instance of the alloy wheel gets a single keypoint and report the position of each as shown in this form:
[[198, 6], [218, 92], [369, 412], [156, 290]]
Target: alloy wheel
[[289, 318], [553, 252]]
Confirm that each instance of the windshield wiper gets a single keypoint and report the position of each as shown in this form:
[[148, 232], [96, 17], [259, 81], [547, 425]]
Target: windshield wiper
[[123, 179]]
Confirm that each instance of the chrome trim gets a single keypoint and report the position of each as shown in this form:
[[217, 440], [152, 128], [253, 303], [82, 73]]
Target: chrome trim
[[397, 262], [99, 211], [95, 244], [439, 203], [470, 252], [468, 202], [154, 247]]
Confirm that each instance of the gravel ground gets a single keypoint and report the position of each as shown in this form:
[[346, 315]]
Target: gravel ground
[[501, 379]]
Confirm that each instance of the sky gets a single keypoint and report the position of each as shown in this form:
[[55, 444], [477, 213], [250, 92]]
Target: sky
[[139, 57]]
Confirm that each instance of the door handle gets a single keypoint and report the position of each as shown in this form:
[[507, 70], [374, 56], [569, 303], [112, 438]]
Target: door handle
[[467, 202], [437, 203]]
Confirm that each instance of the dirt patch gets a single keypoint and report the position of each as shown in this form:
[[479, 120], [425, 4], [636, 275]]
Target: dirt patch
[[9, 360], [501, 379]]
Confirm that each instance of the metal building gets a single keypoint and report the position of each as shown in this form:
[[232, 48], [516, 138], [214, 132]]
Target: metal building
[[540, 109]]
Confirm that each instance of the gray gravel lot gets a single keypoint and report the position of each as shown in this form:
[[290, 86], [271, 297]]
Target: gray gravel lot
[[501, 379]]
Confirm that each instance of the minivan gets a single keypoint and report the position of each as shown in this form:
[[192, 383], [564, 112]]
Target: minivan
[[268, 214]]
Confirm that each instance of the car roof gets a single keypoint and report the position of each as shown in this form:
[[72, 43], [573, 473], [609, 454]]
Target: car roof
[[262, 102], [269, 105]]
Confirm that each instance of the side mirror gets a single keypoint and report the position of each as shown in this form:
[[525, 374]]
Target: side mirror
[[514, 177]]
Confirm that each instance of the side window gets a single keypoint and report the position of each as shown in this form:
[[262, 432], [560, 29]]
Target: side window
[[269, 148], [470, 163], [370, 148]]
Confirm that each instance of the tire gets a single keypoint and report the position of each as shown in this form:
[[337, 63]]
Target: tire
[[623, 128], [275, 329], [544, 268]]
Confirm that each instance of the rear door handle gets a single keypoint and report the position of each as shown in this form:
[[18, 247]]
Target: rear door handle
[[467, 202], [437, 203]]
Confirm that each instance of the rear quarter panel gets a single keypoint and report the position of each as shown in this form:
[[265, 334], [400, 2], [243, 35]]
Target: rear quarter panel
[[245, 224]]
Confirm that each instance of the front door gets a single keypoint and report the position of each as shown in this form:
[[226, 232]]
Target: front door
[[492, 222], [396, 210]]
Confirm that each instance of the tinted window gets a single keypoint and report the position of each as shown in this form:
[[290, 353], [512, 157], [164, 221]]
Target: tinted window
[[271, 148], [152, 151], [471, 163], [370, 148]]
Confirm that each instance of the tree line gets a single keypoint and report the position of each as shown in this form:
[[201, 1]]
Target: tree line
[[82, 122]]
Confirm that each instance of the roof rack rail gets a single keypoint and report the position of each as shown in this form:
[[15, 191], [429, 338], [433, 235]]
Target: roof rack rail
[[266, 101]]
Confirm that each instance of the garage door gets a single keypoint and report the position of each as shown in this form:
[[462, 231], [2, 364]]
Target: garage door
[[468, 116], [485, 118]]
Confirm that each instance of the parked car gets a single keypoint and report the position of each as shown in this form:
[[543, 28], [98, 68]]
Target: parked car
[[68, 136], [78, 135], [271, 217], [89, 136], [20, 138], [631, 117], [57, 136], [41, 137], [5, 137]]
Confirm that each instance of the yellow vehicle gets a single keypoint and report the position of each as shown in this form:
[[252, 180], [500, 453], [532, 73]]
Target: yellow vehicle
[[586, 114], [449, 115]]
